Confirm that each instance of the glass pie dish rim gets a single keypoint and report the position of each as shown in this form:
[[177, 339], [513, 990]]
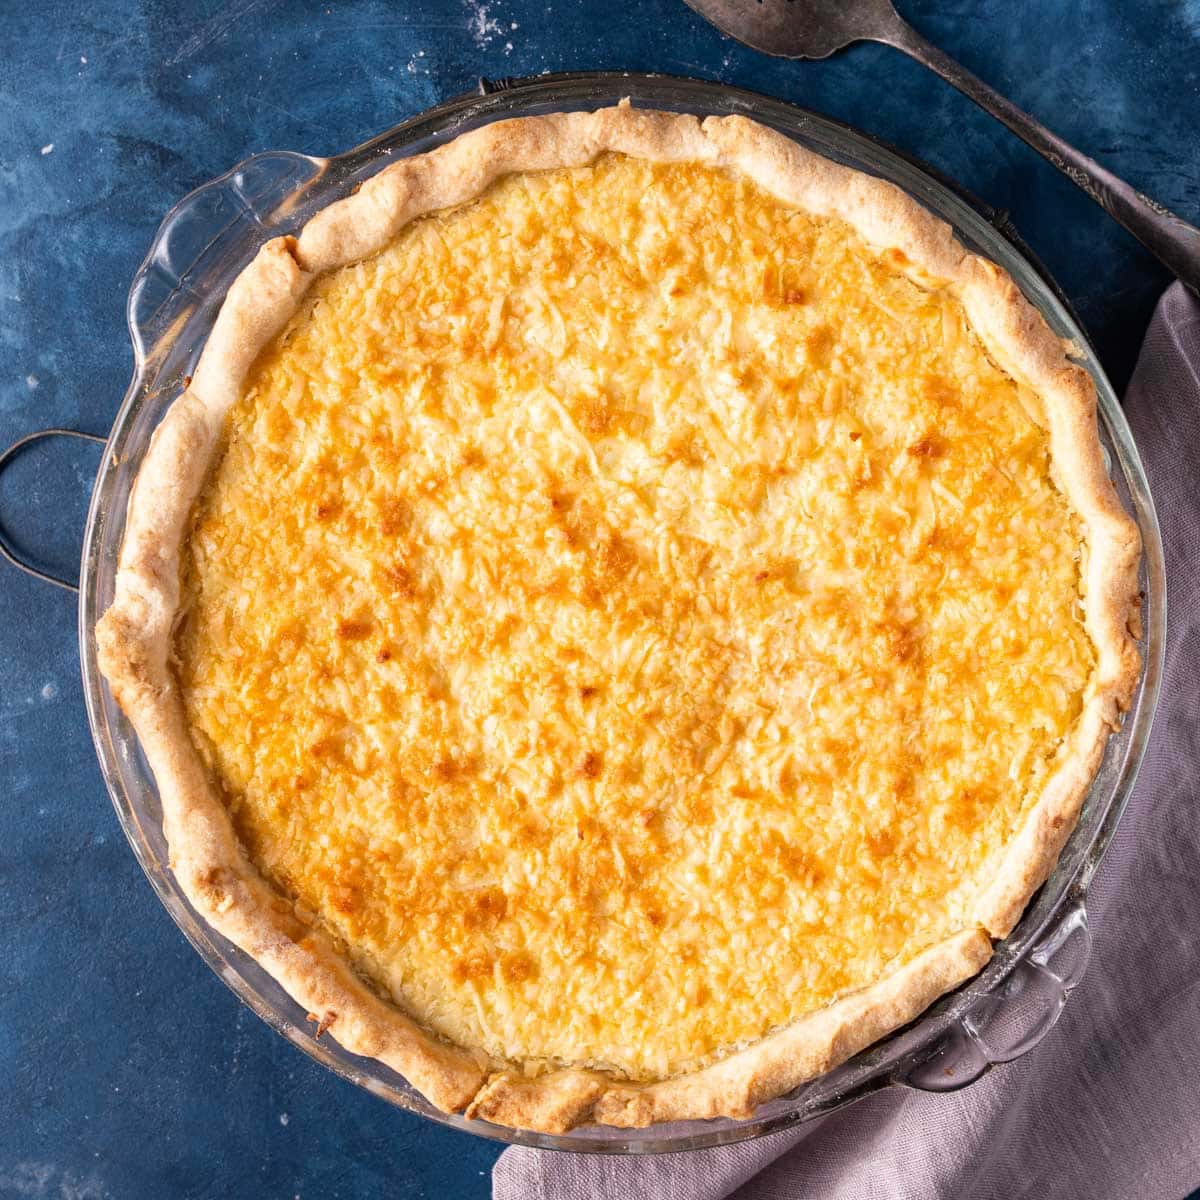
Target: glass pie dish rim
[[171, 303]]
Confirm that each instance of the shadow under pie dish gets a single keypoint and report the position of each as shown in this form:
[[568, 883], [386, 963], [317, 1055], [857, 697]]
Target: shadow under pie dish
[[624, 613]]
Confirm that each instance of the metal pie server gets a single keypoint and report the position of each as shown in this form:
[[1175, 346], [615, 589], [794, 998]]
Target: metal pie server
[[816, 28]]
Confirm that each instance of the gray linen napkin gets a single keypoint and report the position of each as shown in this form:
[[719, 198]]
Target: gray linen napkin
[[1108, 1106]]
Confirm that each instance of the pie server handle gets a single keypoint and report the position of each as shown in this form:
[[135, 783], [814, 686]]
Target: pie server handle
[[1011, 1020], [1172, 240]]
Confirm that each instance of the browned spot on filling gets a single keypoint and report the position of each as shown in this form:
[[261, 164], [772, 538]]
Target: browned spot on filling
[[780, 289], [881, 843], [472, 456], [928, 447], [590, 766], [329, 747], [401, 579], [447, 769], [819, 344], [780, 570], [394, 517], [472, 967], [345, 898], [939, 391], [595, 416], [518, 967], [486, 908], [614, 555]]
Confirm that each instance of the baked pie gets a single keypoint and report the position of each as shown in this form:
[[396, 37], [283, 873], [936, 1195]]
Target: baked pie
[[623, 616]]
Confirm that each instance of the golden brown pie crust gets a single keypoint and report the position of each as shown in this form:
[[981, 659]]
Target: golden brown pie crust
[[135, 635]]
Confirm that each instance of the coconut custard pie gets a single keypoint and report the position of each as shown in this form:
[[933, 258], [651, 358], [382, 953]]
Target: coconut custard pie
[[624, 615]]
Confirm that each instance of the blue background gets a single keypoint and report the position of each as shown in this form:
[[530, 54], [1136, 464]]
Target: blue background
[[126, 1069]]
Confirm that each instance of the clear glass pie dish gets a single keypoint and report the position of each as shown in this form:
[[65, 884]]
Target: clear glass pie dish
[[199, 249]]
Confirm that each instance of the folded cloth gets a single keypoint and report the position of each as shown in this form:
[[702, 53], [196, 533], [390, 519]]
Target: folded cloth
[[1108, 1106]]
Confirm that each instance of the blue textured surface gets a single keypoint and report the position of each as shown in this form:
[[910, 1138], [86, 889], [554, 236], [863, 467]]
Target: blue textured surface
[[126, 1069]]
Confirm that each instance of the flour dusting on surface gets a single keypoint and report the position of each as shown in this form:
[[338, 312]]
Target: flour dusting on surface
[[482, 26], [47, 1179], [1189, 13]]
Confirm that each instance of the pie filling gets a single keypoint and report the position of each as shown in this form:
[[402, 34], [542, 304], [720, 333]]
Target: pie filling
[[629, 614]]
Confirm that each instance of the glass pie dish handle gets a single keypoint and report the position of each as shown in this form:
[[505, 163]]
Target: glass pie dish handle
[[209, 236], [198, 249], [1011, 1020]]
